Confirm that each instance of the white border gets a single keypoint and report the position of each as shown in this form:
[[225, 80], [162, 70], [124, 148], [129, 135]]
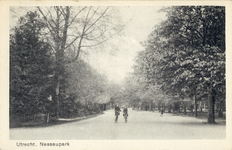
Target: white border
[[5, 143]]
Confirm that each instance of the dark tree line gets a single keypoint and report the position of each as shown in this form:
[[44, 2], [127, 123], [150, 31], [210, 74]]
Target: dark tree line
[[46, 73], [30, 67], [185, 54]]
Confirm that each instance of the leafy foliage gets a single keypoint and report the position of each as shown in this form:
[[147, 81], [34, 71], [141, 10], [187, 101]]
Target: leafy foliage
[[30, 65], [186, 52], [33, 78]]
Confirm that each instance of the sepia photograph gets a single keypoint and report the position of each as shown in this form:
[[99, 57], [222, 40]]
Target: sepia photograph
[[106, 72]]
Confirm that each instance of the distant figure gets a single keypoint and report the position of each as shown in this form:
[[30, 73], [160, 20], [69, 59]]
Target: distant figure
[[125, 113], [162, 111], [117, 112]]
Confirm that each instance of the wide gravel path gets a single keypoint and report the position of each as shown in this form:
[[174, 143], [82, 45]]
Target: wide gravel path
[[140, 125]]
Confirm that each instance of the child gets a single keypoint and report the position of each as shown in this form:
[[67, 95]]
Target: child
[[125, 113]]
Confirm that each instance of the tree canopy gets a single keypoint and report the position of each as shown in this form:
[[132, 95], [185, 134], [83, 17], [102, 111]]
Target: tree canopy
[[30, 66], [47, 74], [186, 52]]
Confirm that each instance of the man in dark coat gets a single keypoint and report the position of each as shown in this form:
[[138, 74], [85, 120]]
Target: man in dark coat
[[117, 112]]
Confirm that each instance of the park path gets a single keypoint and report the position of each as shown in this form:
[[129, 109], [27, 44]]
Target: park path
[[140, 125]]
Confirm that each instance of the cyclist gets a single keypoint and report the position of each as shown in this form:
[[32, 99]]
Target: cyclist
[[125, 113], [117, 112]]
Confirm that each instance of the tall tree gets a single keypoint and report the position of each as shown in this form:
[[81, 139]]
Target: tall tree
[[30, 65], [188, 49], [72, 29]]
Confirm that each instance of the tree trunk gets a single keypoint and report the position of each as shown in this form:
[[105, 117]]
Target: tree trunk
[[211, 117], [163, 106], [220, 112], [195, 105], [48, 117], [169, 108], [184, 108], [57, 97], [195, 99], [150, 106]]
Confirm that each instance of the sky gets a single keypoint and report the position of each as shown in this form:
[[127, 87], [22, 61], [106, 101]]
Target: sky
[[139, 24]]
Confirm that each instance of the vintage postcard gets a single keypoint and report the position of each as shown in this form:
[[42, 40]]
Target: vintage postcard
[[115, 75]]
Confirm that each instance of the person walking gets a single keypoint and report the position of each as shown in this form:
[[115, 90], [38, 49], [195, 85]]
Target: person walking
[[117, 112], [161, 111], [125, 113]]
